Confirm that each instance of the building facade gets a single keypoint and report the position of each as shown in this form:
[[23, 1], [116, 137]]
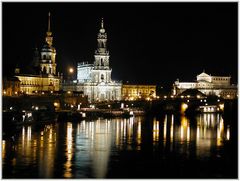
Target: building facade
[[11, 86], [94, 80], [136, 92], [208, 85], [46, 78]]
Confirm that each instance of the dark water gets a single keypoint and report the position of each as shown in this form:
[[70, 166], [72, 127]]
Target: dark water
[[163, 147]]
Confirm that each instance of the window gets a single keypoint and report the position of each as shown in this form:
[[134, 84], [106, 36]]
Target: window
[[102, 77]]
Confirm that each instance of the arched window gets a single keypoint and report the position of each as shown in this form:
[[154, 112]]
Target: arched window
[[102, 62], [102, 77], [44, 57]]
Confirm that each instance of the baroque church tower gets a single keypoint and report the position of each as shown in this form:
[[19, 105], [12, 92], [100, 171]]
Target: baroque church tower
[[48, 54], [101, 71], [46, 80], [94, 80]]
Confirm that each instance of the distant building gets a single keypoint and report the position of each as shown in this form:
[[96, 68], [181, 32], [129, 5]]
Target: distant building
[[94, 80], [45, 78], [11, 86], [134, 92], [208, 85]]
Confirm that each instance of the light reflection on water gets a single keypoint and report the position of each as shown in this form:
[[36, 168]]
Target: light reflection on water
[[84, 149]]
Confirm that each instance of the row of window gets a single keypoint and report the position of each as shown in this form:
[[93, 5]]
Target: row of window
[[220, 78], [135, 91], [31, 82], [11, 84]]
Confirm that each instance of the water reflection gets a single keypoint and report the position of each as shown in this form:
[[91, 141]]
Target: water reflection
[[204, 132], [47, 151], [84, 149], [69, 140]]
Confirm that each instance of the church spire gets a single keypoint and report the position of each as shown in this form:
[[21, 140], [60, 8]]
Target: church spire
[[102, 39], [49, 37], [49, 27], [102, 54], [102, 23], [102, 30]]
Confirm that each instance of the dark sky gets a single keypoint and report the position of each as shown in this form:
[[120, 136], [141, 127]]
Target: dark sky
[[148, 42]]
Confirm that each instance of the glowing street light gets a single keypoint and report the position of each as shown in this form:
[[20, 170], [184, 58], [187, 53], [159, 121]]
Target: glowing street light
[[70, 73], [71, 70]]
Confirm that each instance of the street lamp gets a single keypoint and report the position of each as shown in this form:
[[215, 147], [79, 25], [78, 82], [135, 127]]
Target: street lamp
[[109, 106], [70, 70]]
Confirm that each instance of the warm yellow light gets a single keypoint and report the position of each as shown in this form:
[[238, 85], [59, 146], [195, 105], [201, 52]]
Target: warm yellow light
[[228, 133], [182, 96], [165, 97], [69, 92], [221, 106], [198, 96], [16, 93], [71, 70], [184, 107], [4, 92], [55, 104], [188, 96], [228, 96]]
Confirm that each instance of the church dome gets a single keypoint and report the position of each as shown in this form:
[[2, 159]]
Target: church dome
[[102, 30]]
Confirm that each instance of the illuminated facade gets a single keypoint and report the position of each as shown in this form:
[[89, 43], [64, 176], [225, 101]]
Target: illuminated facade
[[208, 85], [11, 86], [133, 92], [46, 79], [95, 79]]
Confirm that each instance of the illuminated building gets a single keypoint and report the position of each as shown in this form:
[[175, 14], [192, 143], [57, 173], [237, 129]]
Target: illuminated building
[[45, 78], [11, 86], [134, 92], [208, 85], [94, 80]]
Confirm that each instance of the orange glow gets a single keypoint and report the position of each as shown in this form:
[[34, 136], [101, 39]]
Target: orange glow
[[184, 107], [71, 70]]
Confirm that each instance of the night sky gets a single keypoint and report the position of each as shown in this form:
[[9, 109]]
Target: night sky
[[151, 43]]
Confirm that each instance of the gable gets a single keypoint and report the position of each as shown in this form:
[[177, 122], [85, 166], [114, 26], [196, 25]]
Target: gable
[[203, 74]]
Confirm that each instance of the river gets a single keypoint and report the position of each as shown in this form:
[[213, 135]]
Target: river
[[166, 146]]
